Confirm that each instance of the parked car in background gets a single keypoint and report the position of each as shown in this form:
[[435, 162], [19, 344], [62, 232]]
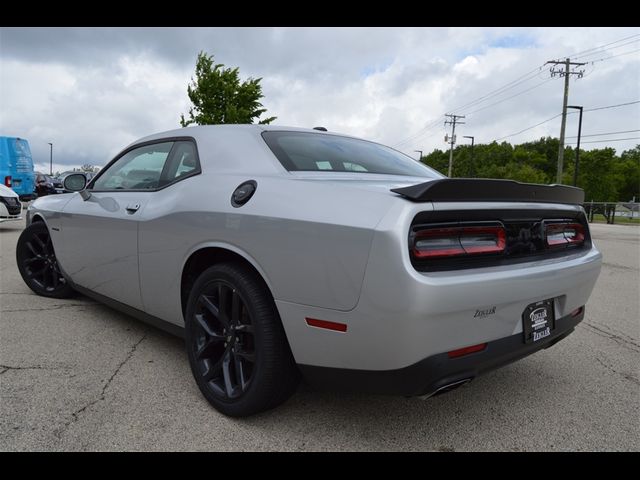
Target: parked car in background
[[10, 205], [279, 252], [16, 166], [46, 185]]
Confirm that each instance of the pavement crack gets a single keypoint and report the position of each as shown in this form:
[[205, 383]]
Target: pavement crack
[[122, 364], [76, 415], [6, 368], [616, 265], [626, 376], [53, 307], [624, 342]]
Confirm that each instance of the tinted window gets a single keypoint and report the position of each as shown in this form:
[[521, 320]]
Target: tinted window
[[139, 169], [183, 162], [301, 151]]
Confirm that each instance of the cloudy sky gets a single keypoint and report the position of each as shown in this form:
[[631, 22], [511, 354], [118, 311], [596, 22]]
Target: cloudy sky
[[91, 91]]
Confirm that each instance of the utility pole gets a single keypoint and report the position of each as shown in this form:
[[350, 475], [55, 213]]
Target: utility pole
[[473, 170], [452, 122], [564, 73], [575, 171], [50, 158], [420, 152]]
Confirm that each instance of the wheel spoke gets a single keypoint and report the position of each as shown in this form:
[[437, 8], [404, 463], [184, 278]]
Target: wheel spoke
[[54, 275], [236, 305], [226, 373], [47, 246], [39, 272], [40, 243], [248, 356], [208, 304], [213, 370], [204, 324], [244, 328], [30, 247], [239, 372], [209, 346], [29, 261]]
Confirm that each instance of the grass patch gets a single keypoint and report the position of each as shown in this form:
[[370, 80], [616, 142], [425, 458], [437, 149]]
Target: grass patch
[[599, 218]]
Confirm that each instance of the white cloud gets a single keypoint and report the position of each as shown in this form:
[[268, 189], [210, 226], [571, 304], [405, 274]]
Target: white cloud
[[92, 91]]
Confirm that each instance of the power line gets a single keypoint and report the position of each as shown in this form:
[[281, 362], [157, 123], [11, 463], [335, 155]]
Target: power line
[[613, 56], [528, 128], [612, 140], [611, 106], [607, 133], [518, 81], [605, 45], [570, 113], [512, 96], [508, 86], [424, 129], [597, 50]]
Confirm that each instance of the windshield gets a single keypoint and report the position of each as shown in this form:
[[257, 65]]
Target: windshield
[[302, 151]]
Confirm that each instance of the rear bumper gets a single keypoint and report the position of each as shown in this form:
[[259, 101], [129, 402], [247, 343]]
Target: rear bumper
[[432, 374]]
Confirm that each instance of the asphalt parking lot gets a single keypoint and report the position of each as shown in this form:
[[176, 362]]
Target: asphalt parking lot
[[76, 375]]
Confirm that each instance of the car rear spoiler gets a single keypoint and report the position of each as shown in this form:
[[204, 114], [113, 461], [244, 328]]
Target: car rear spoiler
[[490, 190]]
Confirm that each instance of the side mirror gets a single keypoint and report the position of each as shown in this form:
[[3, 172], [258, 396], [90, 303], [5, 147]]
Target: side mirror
[[76, 183]]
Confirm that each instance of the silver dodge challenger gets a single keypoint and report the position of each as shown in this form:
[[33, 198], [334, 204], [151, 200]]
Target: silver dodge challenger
[[286, 253]]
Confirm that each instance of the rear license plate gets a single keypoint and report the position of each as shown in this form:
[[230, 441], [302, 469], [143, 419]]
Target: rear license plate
[[538, 321]]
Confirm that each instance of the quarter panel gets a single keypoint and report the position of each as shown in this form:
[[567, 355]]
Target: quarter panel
[[313, 249]]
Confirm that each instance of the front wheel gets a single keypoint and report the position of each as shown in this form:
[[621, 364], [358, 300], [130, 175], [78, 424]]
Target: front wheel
[[38, 265], [237, 347]]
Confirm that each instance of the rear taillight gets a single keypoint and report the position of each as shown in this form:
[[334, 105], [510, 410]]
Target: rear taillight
[[563, 234], [458, 241], [7, 181]]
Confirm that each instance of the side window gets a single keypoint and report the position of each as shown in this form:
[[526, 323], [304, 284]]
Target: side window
[[183, 161], [139, 169]]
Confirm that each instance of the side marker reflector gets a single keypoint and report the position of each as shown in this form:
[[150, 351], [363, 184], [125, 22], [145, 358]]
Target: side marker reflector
[[466, 350], [338, 327]]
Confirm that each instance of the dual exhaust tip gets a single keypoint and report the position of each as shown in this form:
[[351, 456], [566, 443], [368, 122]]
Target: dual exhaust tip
[[447, 388]]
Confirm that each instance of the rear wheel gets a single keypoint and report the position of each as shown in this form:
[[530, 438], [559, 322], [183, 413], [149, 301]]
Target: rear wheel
[[38, 265], [237, 347]]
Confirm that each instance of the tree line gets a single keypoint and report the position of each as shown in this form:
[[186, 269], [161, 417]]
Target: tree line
[[604, 176]]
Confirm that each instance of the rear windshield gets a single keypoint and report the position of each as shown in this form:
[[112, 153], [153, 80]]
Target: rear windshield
[[316, 152]]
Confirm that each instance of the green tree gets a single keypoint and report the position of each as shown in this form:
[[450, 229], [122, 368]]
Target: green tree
[[628, 172], [218, 96], [597, 175]]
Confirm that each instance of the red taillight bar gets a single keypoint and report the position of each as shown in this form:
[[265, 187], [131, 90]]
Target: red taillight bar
[[7, 181], [459, 241], [560, 234]]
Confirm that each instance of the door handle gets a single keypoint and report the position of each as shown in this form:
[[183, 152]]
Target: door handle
[[132, 208]]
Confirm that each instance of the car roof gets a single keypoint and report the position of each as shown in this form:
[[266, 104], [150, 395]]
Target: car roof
[[232, 148], [197, 131]]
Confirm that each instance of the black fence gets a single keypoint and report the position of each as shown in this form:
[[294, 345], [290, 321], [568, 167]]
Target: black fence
[[613, 210]]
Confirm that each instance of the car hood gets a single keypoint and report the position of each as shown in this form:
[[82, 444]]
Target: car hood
[[7, 192]]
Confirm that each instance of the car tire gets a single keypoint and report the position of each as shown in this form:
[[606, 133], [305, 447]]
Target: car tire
[[237, 347], [38, 265]]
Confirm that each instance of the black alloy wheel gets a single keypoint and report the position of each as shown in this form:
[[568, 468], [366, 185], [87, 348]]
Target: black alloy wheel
[[38, 265], [225, 346], [238, 351]]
